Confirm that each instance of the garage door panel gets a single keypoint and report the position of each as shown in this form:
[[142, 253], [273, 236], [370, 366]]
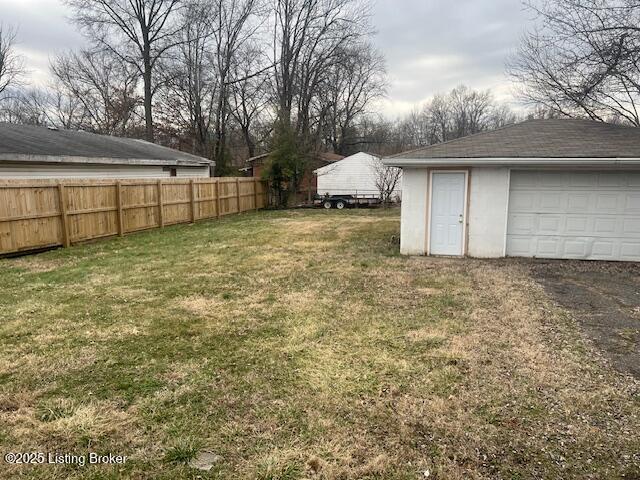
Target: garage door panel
[[588, 180], [603, 250], [632, 203], [524, 202], [548, 246], [577, 202], [551, 201], [577, 225], [631, 226], [575, 247], [549, 224], [520, 182], [586, 215], [603, 226], [523, 224], [549, 179], [521, 246], [633, 180], [607, 202], [630, 251]]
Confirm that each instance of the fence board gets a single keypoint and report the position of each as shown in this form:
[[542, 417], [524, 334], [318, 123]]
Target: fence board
[[38, 214]]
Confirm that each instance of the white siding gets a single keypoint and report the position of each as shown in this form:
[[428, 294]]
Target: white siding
[[354, 174], [413, 230], [48, 170], [192, 172], [488, 199], [486, 217]]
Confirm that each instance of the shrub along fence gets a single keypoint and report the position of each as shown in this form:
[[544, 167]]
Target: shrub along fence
[[38, 214]]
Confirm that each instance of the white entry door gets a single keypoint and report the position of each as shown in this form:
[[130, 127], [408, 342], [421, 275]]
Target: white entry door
[[447, 213]]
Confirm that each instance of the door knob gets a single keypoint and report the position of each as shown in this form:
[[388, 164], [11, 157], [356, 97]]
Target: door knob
[[460, 219]]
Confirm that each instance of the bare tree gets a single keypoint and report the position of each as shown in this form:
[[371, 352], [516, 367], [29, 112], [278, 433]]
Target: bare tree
[[459, 113], [469, 110], [27, 107], [351, 86], [438, 119], [68, 111], [387, 180], [250, 97], [582, 59], [308, 38], [11, 64], [233, 29], [139, 32], [199, 75], [191, 84], [104, 87]]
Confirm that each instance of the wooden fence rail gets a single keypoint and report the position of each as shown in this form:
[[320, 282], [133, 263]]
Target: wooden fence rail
[[47, 213]]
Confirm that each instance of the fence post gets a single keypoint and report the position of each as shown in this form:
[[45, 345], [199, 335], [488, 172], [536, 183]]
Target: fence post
[[238, 192], [193, 201], [160, 205], [218, 198], [63, 215], [119, 207], [255, 192]]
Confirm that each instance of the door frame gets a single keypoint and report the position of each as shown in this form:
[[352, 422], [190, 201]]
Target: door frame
[[464, 213]]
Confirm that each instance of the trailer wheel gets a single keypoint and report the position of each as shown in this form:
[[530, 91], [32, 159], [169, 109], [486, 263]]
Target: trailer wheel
[[327, 205], [340, 204]]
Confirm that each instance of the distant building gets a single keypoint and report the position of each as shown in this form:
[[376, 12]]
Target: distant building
[[354, 175], [31, 152], [308, 185]]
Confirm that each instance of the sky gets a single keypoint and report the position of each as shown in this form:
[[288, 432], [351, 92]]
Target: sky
[[431, 46]]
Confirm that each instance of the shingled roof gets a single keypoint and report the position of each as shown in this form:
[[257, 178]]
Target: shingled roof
[[25, 143], [557, 138]]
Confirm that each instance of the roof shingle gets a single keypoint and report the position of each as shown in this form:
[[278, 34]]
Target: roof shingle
[[556, 138], [28, 140]]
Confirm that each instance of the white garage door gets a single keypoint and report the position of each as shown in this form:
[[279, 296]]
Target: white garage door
[[584, 215]]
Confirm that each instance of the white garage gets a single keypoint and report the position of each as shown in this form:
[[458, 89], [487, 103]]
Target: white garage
[[354, 175], [567, 189]]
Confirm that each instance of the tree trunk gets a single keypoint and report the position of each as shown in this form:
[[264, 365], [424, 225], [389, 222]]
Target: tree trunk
[[148, 113], [251, 148], [220, 134]]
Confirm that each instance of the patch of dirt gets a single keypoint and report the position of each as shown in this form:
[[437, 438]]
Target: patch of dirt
[[604, 298], [200, 305], [36, 264]]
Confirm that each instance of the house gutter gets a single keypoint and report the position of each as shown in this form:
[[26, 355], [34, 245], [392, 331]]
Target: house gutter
[[62, 159], [511, 162]]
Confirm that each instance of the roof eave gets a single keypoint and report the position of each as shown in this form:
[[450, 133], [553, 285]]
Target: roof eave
[[509, 161], [22, 158]]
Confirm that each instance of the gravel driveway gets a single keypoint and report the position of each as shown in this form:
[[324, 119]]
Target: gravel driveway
[[605, 300]]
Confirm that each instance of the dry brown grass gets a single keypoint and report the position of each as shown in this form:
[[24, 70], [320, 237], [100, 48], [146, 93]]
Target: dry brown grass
[[305, 349]]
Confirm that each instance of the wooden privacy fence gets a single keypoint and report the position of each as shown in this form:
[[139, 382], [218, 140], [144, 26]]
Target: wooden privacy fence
[[41, 214]]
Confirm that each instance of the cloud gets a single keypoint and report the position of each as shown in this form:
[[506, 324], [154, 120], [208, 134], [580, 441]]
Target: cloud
[[431, 46], [43, 30]]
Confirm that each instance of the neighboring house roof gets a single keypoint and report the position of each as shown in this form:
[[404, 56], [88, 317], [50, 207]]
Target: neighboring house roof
[[534, 139], [356, 156], [27, 143], [322, 156]]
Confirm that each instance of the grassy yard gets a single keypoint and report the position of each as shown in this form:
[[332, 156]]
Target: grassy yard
[[300, 345]]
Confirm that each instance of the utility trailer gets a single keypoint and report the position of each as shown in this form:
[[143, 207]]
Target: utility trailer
[[346, 201], [351, 182]]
